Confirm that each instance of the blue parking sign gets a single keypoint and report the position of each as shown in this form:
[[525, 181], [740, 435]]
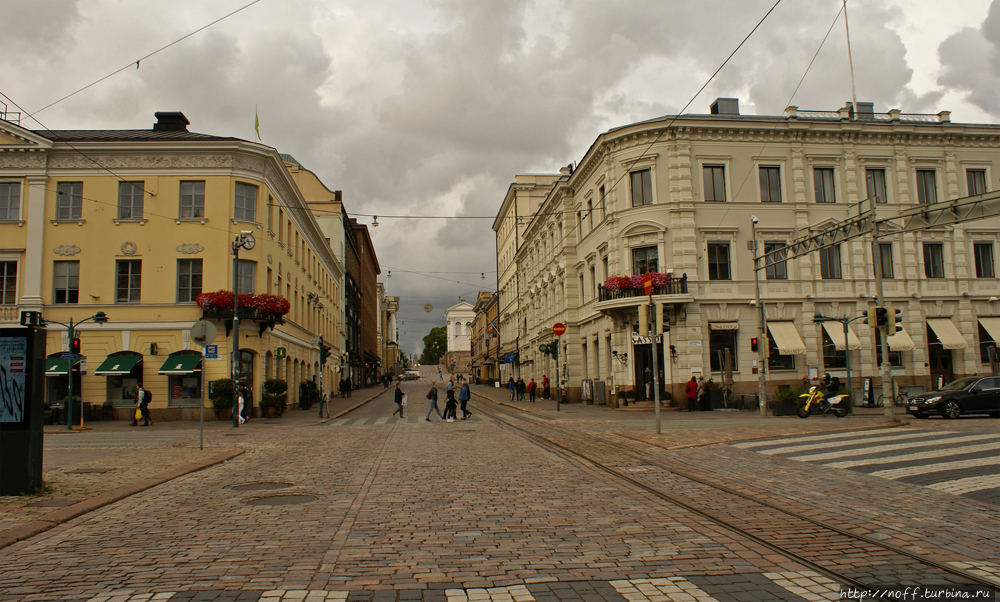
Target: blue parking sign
[[211, 352]]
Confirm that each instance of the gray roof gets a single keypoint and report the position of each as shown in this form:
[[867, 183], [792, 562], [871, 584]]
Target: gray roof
[[126, 135]]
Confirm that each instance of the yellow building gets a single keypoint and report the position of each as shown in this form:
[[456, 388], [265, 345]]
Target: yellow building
[[138, 224]]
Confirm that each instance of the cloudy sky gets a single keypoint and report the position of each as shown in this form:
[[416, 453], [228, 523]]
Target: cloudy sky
[[430, 108]]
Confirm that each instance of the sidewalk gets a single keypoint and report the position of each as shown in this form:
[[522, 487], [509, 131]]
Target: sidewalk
[[85, 470]]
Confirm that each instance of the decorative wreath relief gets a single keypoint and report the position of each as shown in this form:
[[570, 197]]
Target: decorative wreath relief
[[129, 248]]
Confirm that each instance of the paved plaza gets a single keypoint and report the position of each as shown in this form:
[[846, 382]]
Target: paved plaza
[[520, 503]]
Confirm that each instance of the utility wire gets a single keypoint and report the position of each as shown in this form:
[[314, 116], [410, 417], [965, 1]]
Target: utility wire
[[136, 62]]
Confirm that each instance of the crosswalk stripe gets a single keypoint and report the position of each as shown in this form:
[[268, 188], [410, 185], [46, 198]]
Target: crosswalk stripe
[[807, 447], [968, 484], [888, 448], [672, 589], [910, 471], [808, 585], [806, 438], [925, 455]]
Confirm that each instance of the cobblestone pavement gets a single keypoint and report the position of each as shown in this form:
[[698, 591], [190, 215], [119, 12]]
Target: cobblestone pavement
[[959, 463], [369, 508]]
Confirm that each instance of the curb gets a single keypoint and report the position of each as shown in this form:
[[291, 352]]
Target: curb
[[350, 409], [57, 517]]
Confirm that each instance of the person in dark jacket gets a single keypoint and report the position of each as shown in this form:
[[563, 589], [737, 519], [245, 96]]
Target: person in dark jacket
[[432, 395], [464, 394], [399, 400], [450, 406]]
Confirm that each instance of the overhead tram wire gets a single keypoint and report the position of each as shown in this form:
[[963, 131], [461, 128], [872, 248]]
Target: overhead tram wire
[[137, 61]]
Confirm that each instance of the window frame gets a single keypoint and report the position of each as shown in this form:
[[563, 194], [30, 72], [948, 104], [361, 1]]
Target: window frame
[[128, 207], [719, 340], [775, 270], [8, 204], [933, 254], [871, 182], [973, 188], [884, 249], [189, 291], [242, 276], [132, 287], [69, 200], [714, 261], [645, 250], [773, 182], [196, 207], [830, 267], [775, 359], [979, 256], [715, 184], [820, 182], [645, 186], [70, 290], [240, 209], [922, 176], [8, 281]]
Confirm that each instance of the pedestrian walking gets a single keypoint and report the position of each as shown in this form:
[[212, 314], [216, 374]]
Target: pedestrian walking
[[450, 406], [520, 389], [448, 386], [433, 396], [400, 400], [702, 394], [349, 386], [647, 378], [142, 399], [532, 386], [692, 393], [546, 391], [239, 407], [512, 387], [464, 394]]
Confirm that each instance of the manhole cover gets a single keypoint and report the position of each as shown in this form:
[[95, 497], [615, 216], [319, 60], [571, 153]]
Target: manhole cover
[[262, 486], [89, 471], [282, 500], [52, 503]]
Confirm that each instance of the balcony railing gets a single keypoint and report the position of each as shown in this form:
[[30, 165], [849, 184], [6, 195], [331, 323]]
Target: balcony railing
[[678, 286]]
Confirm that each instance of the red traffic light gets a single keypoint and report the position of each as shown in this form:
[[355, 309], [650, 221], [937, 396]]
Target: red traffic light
[[753, 344], [74, 345]]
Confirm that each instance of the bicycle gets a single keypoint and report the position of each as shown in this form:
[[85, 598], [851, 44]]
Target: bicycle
[[899, 400]]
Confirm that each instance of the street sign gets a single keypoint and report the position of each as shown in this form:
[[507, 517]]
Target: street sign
[[69, 356], [647, 283], [83, 366], [203, 333], [279, 352], [558, 329], [211, 352]]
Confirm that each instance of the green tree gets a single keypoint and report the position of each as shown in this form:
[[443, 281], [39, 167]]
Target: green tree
[[435, 346]]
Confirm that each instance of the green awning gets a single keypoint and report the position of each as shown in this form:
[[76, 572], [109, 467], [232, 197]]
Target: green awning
[[180, 364], [117, 365], [56, 366]]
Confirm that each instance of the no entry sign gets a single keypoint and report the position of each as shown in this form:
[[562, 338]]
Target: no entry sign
[[558, 329]]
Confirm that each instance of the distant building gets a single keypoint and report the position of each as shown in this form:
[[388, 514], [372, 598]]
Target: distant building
[[458, 320]]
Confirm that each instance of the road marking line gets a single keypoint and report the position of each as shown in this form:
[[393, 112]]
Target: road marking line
[[968, 484], [929, 435], [807, 584], [653, 590], [888, 448], [926, 455], [805, 438], [909, 471]]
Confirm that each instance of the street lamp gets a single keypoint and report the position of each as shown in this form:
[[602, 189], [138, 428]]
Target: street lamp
[[246, 241], [820, 318], [100, 318]]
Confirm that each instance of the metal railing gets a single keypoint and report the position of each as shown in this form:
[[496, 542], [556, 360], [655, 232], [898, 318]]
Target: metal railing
[[677, 286]]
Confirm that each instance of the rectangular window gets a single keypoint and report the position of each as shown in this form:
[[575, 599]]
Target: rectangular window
[[604, 206], [775, 360], [69, 200], [885, 259], [281, 227], [831, 357], [270, 211], [718, 261], [644, 259], [933, 260], [642, 188], [985, 342], [245, 279], [66, 281], [775, 268], [593, 280], [718, 342], [875, 178], [984, 260], [976, 179], [246, 203], [829, 263], [129, 283], [8, 280], [926, 186], [823, 185], [10, 200], [590, 215], [188, 280], [604, 264], [770, 184], [130, 200], [192, 200], [895, 357], [714, 180]]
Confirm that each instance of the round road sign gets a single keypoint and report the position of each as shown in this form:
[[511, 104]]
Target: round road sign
[[647, 283], [558, 329], [203, 333]]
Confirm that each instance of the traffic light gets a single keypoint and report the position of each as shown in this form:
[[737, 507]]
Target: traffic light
[[881, 317], [754, 345], [897, 320], [643, 320], [324, 353], [74, 345], [870, 318]]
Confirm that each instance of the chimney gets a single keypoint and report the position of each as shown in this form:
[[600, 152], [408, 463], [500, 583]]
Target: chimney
[[171, 121], [866, 110], [726, 106], [338, 196]]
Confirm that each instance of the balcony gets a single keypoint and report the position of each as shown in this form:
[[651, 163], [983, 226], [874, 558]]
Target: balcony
[[673, 290]]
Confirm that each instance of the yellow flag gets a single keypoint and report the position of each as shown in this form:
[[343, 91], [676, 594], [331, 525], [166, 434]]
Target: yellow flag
[[256, 123]]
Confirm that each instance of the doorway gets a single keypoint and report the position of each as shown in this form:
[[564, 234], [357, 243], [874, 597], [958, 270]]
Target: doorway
[[939, 361]]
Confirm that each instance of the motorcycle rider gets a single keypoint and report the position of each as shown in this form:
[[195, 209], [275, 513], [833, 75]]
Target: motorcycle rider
[[831, 388]]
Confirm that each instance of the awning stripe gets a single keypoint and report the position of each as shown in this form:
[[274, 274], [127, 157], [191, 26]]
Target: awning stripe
[[900, 341], [180, 364], [117, 365], [947, 333], [992, 326], [786, 338], [56, 366], [836, 332], [724, 325]]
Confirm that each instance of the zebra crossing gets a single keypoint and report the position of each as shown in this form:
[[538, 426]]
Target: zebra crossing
[[378, 420], [963, 464]]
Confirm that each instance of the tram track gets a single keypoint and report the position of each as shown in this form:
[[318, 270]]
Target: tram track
[[849, 558]]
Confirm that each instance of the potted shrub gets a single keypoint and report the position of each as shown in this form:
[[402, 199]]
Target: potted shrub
[[274, 399], [222, 398], [629, 397]]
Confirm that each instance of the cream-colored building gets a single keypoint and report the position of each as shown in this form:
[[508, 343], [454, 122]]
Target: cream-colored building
[[138, 224], [675, 196], [523, 198]]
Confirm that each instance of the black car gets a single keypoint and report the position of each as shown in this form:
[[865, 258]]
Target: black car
[[970, 395]]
